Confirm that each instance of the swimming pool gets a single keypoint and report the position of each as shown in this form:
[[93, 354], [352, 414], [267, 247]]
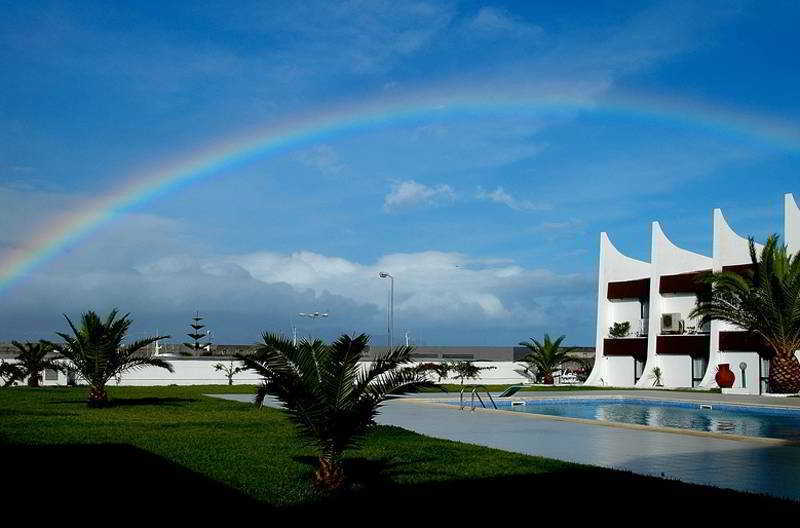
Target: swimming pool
[[770, 422]]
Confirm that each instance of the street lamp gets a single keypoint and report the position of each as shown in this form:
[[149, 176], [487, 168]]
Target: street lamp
[[390, 315], [310, 315]]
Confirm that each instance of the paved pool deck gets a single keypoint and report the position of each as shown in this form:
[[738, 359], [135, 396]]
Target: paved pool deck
[[745, 465]]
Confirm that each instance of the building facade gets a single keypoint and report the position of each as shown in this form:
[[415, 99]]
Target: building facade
[[655, 299]]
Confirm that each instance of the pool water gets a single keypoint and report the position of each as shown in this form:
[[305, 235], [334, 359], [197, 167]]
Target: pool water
[[721, 418]]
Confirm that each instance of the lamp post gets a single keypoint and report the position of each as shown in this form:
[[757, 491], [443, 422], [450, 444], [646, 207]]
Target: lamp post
[[390, 315], [310, 315]]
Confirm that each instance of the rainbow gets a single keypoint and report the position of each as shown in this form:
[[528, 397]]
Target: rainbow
[[69, 228]]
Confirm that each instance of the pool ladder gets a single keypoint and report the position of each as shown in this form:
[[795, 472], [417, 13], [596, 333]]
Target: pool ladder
[[473, 394]]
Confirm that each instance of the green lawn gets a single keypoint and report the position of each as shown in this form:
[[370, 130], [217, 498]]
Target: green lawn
[[206, 453]]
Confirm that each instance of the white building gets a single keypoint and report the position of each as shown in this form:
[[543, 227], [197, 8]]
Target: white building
[[656, 297]]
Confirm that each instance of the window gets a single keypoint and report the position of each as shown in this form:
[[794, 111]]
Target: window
[[699, 367], [458, 356], [50, 375], [763, 374]]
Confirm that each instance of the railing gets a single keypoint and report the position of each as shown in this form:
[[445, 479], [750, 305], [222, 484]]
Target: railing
[[473, 394]]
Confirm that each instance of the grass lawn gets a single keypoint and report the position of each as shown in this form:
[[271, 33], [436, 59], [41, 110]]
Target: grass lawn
[[210, 458]]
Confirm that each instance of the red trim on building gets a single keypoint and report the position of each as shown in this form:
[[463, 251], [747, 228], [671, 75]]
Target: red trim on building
[[741, 269], [685, 344], [633, 289], [626, 346], [683, 283], [739, 341]]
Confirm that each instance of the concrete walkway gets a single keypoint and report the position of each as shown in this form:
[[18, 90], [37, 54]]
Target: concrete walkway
[[740, 465]]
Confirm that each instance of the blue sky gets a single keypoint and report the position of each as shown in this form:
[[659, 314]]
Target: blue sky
[[490, 221]]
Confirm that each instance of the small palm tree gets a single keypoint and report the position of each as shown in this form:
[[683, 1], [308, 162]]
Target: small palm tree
[[31, 361], [764, 301], [229, 370], [97, 353], [329, 397], [547, 357], [440, 370], [467, 370]]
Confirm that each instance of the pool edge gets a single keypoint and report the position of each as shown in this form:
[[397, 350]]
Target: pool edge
[[615, 425]]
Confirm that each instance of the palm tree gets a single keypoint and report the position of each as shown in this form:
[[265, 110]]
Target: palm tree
[[97, 353], [547, 357], [9, 373], [764, 301], [329, 397], [464, 370], [31, 361]]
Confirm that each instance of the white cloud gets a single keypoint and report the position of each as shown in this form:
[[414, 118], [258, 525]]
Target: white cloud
[[409, 194], [429, 286], [495, 21], [323, 158], [499, 195]]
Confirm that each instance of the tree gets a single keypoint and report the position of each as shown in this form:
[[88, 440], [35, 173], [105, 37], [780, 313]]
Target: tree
[[31, 361], [440, 370], [229, 370], [464, 370], [765, 301], [97, 353], [327, 395], [9, 373], [547, 357]]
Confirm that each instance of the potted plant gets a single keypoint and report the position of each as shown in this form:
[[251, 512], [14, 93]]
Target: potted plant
[[620, 329], [656, 375]]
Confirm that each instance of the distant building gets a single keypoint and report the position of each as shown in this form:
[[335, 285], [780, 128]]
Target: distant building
[[655, 298]]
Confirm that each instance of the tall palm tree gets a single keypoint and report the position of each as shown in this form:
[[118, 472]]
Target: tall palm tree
[[97, 354], [329, 397], [32, 360], [764, 301], [546, 357]]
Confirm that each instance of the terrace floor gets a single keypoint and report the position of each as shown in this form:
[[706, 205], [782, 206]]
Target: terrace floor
[[738, 464]]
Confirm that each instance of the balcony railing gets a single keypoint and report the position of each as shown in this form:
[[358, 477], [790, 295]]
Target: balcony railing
[[625, 346], [683, 344]]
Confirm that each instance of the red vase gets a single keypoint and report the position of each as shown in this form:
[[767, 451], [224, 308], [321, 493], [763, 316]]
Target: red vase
[[725, 376]]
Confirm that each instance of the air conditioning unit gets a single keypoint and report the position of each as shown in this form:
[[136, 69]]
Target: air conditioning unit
[[671, 323]]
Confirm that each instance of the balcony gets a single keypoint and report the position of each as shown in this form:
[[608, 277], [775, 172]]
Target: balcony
[[683, 283], [683, 344], [739, 341], [633, 289], [625, 346]]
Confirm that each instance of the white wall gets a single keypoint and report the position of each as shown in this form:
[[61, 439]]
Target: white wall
[[681, 303], [791, 223], [751, 372], [621, 310], [201, 372], [619, 371], [676, 370]]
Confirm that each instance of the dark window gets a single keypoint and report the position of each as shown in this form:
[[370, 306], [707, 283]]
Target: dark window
[[458, 356]]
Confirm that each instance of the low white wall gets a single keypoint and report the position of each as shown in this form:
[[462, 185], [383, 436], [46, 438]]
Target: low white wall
[[201, 372]]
